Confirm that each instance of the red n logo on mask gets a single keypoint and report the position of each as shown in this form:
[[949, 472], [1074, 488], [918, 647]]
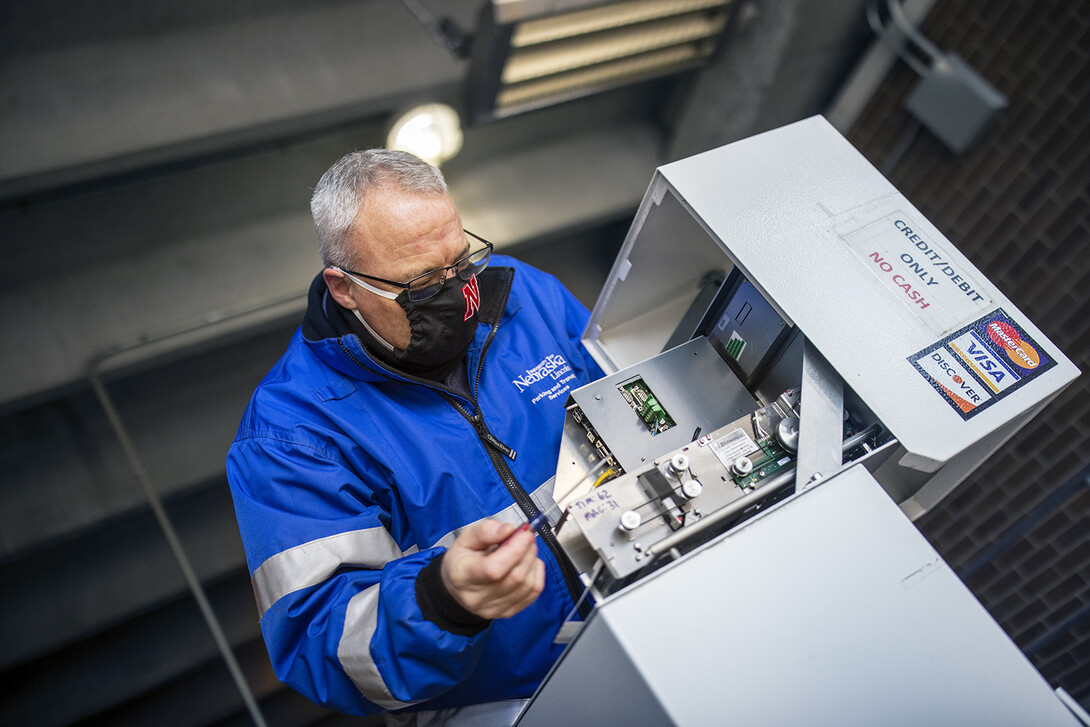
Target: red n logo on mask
[[472, 294]]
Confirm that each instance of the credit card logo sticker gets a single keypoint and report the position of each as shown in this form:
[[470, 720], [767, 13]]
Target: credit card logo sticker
[[989, 368], [982, 363], [950, 376], [1020, 352]]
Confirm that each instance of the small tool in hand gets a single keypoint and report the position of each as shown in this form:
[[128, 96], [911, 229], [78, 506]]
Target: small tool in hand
[[538, 520]]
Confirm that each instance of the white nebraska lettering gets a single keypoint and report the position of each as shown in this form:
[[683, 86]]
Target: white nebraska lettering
[[551, 366]]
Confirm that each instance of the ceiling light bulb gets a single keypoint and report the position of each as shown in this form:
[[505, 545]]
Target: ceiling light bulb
[[433, 132]]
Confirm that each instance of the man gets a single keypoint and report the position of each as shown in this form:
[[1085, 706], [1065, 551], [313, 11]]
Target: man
[[382, 465]]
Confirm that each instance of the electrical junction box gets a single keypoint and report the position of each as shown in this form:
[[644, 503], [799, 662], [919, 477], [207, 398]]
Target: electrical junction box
[[955, 103], [796, 360]]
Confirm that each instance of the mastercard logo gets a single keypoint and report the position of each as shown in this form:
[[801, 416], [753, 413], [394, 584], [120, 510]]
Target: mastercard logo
[[1010, 340]]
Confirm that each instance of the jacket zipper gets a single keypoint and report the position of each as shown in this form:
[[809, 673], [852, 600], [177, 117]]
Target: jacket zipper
[[518, 492]]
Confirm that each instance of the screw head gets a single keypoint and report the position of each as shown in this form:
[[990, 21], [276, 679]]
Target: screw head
[[630, 520]]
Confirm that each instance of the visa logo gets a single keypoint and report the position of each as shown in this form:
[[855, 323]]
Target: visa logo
[[985, 362]]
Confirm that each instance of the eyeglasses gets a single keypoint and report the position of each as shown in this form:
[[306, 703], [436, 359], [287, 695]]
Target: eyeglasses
[[428, 285]]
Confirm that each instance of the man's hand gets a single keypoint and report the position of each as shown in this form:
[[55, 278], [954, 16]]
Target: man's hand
[[489, 579]]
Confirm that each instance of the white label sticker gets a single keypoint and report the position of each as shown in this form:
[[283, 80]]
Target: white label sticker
[[732, 445], [917, 269]]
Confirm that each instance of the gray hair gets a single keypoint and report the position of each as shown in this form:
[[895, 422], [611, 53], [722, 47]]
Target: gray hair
[[337, 198]]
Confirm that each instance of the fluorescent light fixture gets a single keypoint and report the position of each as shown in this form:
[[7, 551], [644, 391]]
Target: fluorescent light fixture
[[534, 53], [583, 22], [432, 131]]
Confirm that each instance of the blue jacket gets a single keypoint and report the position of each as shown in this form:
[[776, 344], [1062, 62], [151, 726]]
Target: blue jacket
[[348, 479]]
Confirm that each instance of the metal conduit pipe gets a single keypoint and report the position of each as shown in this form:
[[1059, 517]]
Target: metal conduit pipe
[[137, 467], [221, 319], [872, 68]]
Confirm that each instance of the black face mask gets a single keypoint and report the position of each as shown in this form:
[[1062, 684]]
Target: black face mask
[[442, 329]]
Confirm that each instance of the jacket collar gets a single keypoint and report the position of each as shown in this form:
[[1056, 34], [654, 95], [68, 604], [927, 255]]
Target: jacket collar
[[328, 335]]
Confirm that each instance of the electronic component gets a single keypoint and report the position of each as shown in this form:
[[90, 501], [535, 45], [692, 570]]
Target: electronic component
[[771, 460], [739, 469], [599, 445], [775, 429], [614, 406], [679, 464], [787, 434], [643, 402]]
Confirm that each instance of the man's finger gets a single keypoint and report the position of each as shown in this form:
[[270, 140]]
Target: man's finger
[[499, 563], [522, 568], [484, 534], [527, 592]]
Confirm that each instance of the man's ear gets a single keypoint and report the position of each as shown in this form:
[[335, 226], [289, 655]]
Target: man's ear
[[338, 284]]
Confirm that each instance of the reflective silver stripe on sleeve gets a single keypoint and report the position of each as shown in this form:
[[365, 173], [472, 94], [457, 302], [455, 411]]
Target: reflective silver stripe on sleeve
[[511, 514], [543, 498], [361, 617], [311, 563], [354, 650]]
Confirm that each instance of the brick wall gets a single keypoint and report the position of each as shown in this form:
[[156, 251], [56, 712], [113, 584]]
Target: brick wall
[[1019, 207]]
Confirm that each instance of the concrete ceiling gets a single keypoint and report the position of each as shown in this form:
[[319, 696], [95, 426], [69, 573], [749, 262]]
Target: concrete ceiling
[[158, 157]]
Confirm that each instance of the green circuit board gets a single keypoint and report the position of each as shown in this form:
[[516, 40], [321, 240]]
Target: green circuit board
[[772, 459], [643, 401]]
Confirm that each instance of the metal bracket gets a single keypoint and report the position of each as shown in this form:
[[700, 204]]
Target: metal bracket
[[821, 419]]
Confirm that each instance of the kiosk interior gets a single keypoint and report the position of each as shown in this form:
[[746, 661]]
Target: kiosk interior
[[799, 365]]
